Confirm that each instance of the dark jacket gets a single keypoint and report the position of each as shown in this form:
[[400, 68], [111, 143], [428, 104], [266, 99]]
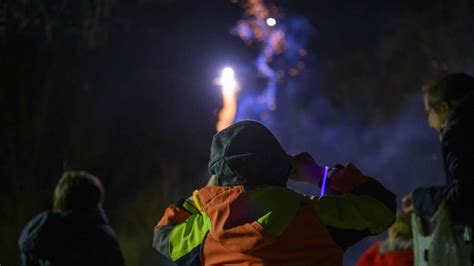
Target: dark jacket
[[70, 238], [457, 143]]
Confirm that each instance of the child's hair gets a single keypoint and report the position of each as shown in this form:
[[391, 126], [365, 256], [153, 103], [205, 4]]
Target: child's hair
[[451, 89], [402, 226], [77, 191]]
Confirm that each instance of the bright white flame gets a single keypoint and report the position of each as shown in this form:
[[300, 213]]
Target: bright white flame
[[229, 99], [228, 72], [271, 22], [228, 83]]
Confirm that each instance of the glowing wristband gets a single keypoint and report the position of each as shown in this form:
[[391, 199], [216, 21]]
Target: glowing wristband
[[325, 177]]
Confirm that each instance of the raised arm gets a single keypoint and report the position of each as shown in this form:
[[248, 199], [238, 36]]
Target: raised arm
[[363, 207], [458, 157]]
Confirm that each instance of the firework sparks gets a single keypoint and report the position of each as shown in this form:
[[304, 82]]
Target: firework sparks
[[260, 27], [281, 40], [229, 98]]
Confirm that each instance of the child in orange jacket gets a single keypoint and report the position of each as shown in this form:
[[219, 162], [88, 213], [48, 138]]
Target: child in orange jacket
[[247, 216]]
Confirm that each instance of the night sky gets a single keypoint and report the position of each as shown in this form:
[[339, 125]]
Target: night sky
[[125, 90]]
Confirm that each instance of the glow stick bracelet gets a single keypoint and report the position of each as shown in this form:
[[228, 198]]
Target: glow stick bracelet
[[325, 177]]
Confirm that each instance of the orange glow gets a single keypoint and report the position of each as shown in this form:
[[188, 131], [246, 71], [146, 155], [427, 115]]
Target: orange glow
[[256, 8], [301, 64], [303, 52], [277, 40], [227, 113], [293, 72]]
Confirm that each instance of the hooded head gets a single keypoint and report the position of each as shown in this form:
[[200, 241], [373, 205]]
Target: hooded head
[[247, 153]]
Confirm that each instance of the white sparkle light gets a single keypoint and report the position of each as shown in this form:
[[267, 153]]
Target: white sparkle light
[[271, 22], [228, 83]]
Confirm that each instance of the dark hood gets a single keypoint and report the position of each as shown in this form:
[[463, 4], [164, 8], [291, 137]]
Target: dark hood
[[247, 153]]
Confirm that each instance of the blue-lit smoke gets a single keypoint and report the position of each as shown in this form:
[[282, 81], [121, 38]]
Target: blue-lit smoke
[[278, 69]]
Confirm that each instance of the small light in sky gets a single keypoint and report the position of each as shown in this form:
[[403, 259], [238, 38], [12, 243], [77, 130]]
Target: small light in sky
[[271, 22]]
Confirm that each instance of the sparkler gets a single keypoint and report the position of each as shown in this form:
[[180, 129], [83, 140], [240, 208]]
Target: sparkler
[[259, 26], [229, 99]]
